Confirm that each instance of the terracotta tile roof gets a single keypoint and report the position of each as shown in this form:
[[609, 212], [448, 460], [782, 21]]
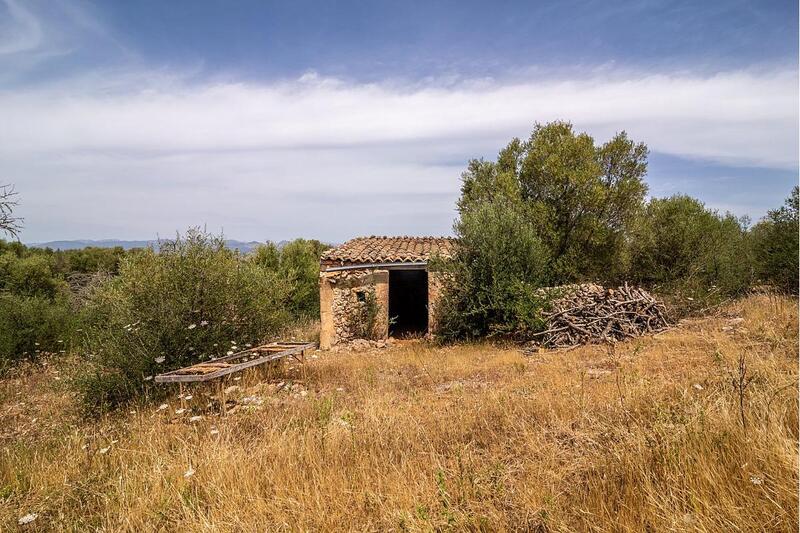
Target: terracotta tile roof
[[362, 250]]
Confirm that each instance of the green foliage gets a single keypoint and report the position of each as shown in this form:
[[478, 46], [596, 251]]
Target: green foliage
[[775, 243], [30, 325], [682, 248], [300, 266], [298, 263], [580, 198], [30, 275], [499, 263], [551, 210], [193, 300], [89, 260]]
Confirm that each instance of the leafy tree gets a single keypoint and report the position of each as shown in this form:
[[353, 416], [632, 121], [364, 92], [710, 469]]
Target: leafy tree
[[299, 264], [580, 198], [553, 209], [775, 242], [681, 247]]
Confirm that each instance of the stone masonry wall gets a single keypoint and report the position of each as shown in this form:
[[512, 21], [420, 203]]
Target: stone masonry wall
[[435, 285], [339, 291]]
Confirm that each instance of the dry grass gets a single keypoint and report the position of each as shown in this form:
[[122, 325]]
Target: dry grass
[[647, 436]]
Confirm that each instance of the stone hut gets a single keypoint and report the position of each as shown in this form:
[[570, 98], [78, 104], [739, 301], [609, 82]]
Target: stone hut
[[374, 287]]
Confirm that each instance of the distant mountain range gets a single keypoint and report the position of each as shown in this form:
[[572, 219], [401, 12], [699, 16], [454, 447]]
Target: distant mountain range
[[242, 246]]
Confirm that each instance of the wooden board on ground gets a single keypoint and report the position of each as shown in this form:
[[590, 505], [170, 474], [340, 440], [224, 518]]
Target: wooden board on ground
[[237, 362]]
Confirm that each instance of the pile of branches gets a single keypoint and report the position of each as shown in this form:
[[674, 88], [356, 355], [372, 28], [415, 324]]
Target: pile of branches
[[589, 313]]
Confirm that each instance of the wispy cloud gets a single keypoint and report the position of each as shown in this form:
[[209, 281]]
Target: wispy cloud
[[152, 154], [21, 32], [726, 117]]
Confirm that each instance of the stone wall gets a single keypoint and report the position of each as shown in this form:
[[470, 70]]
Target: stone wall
[[340, 302], [343, 298], [435, 285]]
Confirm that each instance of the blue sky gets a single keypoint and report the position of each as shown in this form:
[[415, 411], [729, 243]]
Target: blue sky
[[275, 120]]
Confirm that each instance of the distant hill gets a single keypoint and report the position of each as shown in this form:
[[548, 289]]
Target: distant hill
[[242, 246]]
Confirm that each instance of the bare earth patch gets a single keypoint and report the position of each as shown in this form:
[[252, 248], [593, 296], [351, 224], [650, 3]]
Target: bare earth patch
[[649, 434]]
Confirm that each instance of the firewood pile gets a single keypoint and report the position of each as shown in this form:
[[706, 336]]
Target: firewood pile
[[590, 313]]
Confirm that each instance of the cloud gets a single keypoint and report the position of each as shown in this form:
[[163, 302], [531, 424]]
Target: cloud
[[143, 152], [742, 117], [22, 32]]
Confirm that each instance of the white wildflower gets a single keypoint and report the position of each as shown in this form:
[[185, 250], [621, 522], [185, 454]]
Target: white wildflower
[[160, 359], [237, 378], [188, 397], [180, 411], [27, 519], [189, 473], [204, 322], [163, 406], [192, 326], [196, 418], [148, 378], [697, 386], [105, 450], [214, 431], [756, 480], [230, 352], [248, 345]]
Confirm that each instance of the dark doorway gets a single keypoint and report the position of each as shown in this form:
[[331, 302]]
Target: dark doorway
[[408, 303]]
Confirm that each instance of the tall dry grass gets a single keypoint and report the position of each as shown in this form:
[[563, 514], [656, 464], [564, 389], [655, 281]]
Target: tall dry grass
[[646, 436]]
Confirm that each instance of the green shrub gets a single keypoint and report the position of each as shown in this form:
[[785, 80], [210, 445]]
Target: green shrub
[[490, 285], [30, 325], [89, 260], [775, 244], [30, 275], [298, 263], [680, 247], [191, 301]]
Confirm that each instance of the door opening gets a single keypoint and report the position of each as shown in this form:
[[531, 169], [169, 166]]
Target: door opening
[[408, 303]]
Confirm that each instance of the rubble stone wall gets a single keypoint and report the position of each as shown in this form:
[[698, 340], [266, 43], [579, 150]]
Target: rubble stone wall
[[435, 285], [344, 296]]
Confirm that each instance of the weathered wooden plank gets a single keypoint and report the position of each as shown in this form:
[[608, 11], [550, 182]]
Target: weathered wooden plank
[[200, 372]]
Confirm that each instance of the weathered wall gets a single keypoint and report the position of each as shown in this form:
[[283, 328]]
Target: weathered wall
[[435, 284], [341, 308]]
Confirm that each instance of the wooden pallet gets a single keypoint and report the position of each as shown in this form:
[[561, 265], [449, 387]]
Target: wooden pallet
[[237, 362]]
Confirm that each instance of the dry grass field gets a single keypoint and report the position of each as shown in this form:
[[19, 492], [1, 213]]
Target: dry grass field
[[665, 433]]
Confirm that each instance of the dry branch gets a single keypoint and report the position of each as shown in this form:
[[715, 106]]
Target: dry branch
[[589, 313]]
